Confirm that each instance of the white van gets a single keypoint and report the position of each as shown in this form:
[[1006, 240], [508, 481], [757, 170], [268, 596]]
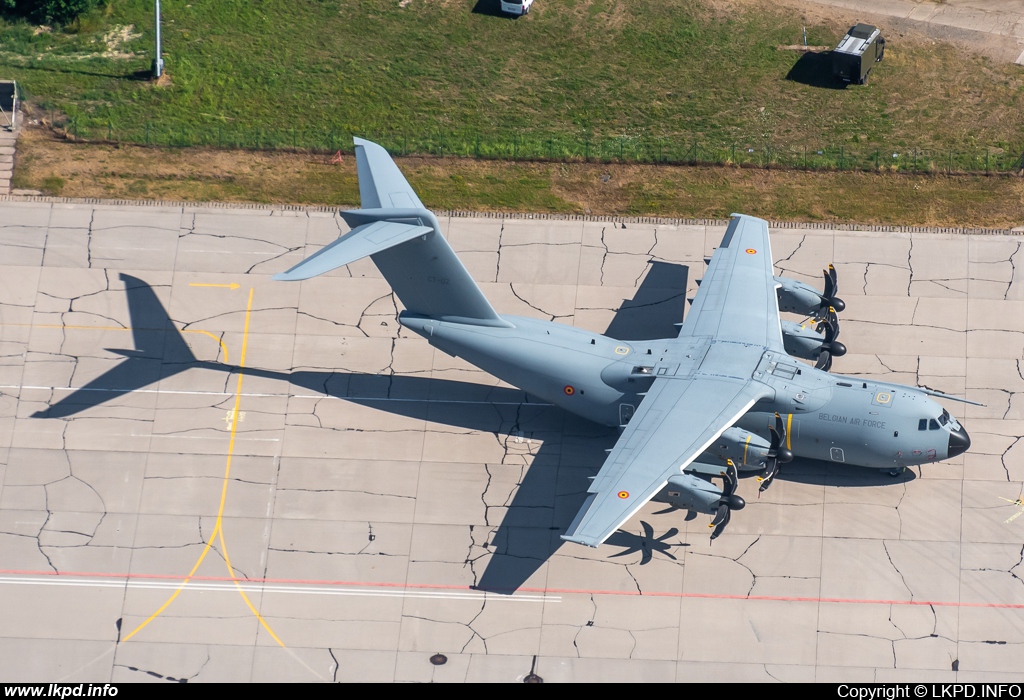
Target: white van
[[516, 7]]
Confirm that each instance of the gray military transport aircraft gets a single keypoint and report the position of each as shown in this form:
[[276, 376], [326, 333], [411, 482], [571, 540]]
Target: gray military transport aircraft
[[724, 396]]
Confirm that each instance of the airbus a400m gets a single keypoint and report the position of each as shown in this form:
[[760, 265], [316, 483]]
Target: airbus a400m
[[722, 397]]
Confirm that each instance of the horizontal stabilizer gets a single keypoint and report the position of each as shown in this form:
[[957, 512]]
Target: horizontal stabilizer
[[358, 217], [358, 243]]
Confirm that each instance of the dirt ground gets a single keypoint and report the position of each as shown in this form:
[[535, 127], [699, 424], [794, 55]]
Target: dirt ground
[[1000, 47]]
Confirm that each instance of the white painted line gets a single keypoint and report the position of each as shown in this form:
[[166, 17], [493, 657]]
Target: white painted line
[[233, 252], [228, 586], [71, 390]]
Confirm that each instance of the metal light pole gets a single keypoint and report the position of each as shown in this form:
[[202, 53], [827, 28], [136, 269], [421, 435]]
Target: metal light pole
[[158, 63]]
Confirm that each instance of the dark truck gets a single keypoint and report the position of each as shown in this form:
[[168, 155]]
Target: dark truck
[[858, 52]]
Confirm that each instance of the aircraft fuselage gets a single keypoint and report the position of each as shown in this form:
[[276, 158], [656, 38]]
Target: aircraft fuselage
[[828, 417]]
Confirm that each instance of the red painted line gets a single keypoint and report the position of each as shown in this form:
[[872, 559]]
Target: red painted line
[[572, 591]]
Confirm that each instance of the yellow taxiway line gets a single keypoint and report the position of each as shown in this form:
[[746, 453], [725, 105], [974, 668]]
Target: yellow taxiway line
[[218, 529]]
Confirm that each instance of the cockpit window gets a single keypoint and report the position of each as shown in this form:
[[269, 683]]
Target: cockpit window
[[944, 418], [922, 424], [933, 425]]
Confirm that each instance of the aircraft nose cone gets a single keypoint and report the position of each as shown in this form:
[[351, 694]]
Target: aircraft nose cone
[[959, 441]]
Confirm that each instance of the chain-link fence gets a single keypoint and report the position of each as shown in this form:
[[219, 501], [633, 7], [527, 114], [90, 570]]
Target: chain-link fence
[[528, 146]]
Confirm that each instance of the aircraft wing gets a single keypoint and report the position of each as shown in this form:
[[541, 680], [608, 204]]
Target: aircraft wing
[[676, 422], [735, 316], [737, 300]]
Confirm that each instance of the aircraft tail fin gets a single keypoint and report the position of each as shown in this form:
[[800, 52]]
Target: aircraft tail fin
[[403, 238], [381, 183]]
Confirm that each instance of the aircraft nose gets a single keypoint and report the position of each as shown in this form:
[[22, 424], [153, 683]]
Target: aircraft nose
[[959, 441]]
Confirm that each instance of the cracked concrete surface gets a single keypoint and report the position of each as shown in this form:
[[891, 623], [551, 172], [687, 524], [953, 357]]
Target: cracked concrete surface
[[384, 499]]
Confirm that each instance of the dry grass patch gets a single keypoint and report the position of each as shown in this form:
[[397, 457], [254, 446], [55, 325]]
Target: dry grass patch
[[84, 170]]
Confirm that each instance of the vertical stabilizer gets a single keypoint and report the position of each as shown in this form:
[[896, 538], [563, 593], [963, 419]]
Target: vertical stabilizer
[[403, 238], [381, 183]]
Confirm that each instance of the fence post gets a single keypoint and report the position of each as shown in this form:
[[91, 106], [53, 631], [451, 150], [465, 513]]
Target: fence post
[[110, 129], [949, 167], [441, 142], [842, 152], [986, 160], [586, 149], [734, 155], [876, 160], [147, 133], [295, 145], [551, 152], [515, 146], [915, 159]]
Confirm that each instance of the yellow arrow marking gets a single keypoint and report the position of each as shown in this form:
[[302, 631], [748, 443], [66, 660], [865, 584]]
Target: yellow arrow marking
[[233, 285]]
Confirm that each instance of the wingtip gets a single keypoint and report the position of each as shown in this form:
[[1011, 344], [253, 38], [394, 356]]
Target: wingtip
[[580, 540]]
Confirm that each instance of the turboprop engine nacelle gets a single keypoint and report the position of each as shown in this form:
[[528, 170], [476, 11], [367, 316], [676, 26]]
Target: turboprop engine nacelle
[[747, 450], [690, 492], [798, 297], [801, 340]]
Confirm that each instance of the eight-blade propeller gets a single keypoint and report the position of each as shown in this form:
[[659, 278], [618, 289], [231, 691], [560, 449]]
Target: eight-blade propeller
[[830, 303], [778, 454], [830, 347], [729, 501]]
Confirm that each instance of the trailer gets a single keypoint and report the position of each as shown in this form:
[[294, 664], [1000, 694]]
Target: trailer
[[857, 53]]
